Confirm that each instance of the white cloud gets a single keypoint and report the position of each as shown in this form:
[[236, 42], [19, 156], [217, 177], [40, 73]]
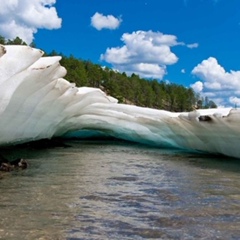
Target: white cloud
[[192, 45], [146, 53], [234, 100], [99, 21], [216, 80], [145, 70], [197, 86], [22, 18], [215, 77], [183, 71]]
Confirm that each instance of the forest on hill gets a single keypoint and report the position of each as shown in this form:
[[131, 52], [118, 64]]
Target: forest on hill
[[127, 89]]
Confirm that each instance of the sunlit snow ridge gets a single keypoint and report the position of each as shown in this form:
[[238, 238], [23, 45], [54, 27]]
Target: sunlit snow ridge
[[37, 103]]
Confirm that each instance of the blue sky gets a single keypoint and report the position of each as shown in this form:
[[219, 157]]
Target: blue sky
[[190, 42]]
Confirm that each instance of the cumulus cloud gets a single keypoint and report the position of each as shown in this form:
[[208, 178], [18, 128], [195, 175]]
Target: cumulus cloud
[[216, 80], [144, 69], [234, 100], [22, 18], [215, 77], [197, 86], [145, 53], [99, 21]]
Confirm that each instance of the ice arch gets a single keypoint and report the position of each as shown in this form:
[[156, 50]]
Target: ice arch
[[36, 102]]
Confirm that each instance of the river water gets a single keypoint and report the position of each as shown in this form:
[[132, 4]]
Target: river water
[[118, 190]]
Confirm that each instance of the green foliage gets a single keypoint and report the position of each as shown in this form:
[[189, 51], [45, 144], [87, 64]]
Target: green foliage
[[2, 40], [127, 89], [16, 41], [76, 71]]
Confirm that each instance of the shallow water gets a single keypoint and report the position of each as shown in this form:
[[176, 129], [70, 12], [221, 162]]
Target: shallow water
[[117, 190]]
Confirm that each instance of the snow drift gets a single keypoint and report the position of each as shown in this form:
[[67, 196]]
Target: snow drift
[[36, 102]]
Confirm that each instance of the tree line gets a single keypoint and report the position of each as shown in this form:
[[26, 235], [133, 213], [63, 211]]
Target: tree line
[[127, 89]]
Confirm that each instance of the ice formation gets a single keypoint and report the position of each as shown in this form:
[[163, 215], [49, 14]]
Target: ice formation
[[36, 102]]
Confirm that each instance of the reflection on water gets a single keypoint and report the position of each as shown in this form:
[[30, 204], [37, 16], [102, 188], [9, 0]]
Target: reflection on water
[[106, 190]]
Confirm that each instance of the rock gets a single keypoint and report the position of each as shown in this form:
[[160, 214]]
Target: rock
[[7, 166]]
